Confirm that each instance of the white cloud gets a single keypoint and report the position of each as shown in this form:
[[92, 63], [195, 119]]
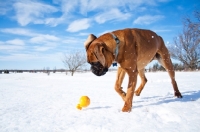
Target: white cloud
[[83, 7], [18, 31], [87, 6], [19, 56], [44, 38], [162, 30], [73, 40], [32, 12], [46, 41], [102, 5], [40, 13], [34, 37], [107, 31], [3, 10], [32, 56], [69, 6], [78, 25], [113, 14], [83, 34], [15, 42], [55, 21], [9, 47], [148, 19], [5, 6], [39, 48]]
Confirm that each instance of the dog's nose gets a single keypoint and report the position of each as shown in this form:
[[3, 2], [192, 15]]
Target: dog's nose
[[98, 69]]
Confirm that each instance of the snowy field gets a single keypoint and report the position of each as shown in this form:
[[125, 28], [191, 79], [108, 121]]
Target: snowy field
[[35, 102]]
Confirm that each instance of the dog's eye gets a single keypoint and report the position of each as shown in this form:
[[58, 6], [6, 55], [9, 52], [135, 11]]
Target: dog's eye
[[103, 50]]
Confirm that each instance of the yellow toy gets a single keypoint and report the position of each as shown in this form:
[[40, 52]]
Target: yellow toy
[[84, 101]]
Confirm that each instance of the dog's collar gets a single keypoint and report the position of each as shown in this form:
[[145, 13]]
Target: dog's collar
[[116, 52]]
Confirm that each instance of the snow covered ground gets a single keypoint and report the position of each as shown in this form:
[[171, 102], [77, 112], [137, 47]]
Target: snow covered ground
[[39, 103]]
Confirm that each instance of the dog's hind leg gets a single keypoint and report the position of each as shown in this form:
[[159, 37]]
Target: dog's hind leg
[[164, 58], [143, 82], [120, 77]]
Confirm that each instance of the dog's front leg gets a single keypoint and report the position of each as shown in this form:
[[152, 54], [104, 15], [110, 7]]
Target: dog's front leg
[[130, 91], [120, 77]]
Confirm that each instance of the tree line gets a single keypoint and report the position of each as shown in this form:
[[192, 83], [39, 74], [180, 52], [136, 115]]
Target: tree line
[[177, 67]]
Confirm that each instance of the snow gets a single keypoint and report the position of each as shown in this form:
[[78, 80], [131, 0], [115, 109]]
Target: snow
[[36, 102]]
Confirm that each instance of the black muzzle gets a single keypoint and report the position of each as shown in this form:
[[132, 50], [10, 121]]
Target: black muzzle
[[98, 69]]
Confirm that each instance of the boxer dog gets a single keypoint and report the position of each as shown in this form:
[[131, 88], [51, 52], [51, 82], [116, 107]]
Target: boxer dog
[[132, 49]]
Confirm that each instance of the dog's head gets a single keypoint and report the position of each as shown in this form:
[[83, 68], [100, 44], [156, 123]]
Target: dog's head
[[97, 55]]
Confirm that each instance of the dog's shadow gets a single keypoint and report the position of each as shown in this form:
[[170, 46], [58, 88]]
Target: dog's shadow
[[105, 107], [187, 97]]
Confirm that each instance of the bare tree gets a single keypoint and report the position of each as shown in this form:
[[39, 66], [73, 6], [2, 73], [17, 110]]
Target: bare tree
[[74, 61], [186, 46]]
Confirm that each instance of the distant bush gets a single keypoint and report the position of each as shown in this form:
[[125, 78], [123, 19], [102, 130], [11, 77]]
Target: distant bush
[[6, 72]]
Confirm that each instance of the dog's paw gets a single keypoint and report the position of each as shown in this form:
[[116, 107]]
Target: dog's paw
[[178, 95], [127, 108], [137, 93]]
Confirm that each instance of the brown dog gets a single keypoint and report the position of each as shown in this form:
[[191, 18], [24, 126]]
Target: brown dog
[[133, 49]]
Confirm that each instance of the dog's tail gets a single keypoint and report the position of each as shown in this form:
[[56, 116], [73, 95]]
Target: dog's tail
[[157, 55]]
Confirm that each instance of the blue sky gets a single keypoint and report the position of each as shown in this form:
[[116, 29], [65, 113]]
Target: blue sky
[[35, 34]]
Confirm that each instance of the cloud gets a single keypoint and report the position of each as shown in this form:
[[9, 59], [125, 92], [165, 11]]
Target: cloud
[[10, 46], [70, 9], [5, 6], [16, 42], [32, 56], [39, 48], [103, 5], [113, 14], [55, 21], [44, 38], [32, 12], [46, 41], [68, 6], [18, 57], [147, 19], [34, 37], [107, 31], [162, 30], [3, 9], [78, 25], [94, 5], [64, 11], [83, 34], [18, 31], [73, 40]]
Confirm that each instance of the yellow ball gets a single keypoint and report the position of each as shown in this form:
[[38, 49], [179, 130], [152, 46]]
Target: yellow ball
[[84, 101], [79, 107]]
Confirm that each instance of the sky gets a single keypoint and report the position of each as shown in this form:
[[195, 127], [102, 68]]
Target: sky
[[35, 34]]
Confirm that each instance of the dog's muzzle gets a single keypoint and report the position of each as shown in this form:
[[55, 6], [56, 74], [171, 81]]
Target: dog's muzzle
[[98, 69]]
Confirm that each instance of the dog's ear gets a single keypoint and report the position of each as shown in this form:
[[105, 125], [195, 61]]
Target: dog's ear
[[89, 40], [98, 51]]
